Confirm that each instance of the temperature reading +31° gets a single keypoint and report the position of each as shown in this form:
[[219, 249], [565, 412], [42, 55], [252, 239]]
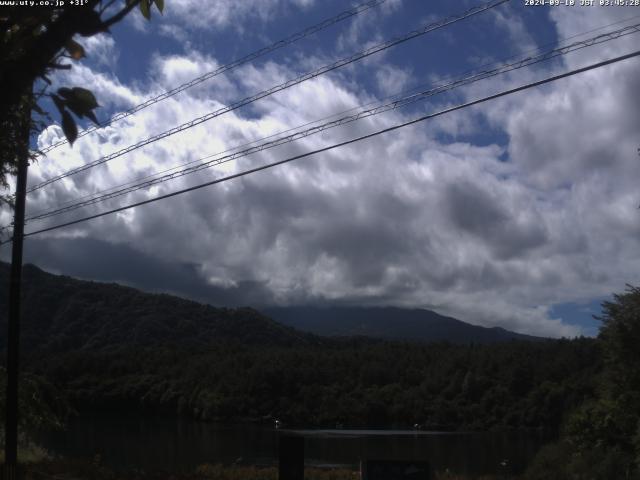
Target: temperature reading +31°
[[582, 3]]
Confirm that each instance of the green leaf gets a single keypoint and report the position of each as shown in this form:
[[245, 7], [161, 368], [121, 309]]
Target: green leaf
[[85, 98], [145, 9], [69, 127], [75, 49], [160, 5], [66, 93], [77, 109], [92, 117], [80, 101]]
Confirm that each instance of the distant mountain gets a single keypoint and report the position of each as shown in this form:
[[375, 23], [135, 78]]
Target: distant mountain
[[389, 323], [107, 347], [62, 314]]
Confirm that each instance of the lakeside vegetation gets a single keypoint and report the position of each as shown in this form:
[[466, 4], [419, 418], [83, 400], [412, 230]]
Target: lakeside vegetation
[[353, 383], [94, 471], [115, 349]]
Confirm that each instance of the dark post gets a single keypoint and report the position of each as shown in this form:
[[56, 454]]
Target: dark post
[[13, 334], [395, 470], [291, 457]]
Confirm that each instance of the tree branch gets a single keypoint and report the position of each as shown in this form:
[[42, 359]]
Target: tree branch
[[121, 14]]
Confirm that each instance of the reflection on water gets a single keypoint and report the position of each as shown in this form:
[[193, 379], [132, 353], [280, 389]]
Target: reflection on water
[[180, 445]]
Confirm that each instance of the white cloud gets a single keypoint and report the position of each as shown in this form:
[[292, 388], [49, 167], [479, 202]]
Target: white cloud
[[228, 13], [364, 31], [519, 36], [177, 33], [109, 91], [392, 80], [404, 219], [101, 50]]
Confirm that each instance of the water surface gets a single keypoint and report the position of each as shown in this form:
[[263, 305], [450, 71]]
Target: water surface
[[175, 445]]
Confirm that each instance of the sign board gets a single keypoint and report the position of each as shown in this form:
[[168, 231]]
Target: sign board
[[395, 470], [291, 457]]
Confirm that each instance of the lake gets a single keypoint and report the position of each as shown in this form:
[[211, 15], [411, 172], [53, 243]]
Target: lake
[[178, 445]]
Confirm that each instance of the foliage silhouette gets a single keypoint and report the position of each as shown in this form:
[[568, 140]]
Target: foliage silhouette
[[115, 348]]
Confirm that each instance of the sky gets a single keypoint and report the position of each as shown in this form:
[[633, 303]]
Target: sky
[[520, 213]]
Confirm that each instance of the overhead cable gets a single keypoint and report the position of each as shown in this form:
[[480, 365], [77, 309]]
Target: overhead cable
[[227, 67], [265, 93], [341, 144], [398, 95], [392, 105]]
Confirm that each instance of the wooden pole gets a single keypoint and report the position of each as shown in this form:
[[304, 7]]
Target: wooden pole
[[13, 334], [291, 457]]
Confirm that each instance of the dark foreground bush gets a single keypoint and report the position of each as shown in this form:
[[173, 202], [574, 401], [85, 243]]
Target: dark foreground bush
[[94, 470], [561, 461], [88, 470]]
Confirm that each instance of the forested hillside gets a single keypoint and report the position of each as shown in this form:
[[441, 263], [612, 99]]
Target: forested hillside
[[109, 347], [62, 314], [355, 383]]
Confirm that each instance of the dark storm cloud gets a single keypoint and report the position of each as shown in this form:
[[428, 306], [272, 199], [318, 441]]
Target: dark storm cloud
[[106, 262], [404, 219], [483, 215]]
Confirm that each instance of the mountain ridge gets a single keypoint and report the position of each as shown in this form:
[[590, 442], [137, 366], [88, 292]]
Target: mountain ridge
[[115, 349], [390, 323], [61, 312]]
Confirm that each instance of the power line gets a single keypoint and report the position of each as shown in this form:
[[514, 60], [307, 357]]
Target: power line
[[602, 27], [252, 56], [229, 66], [395, 104], [289, 83], [341, 144], [320, 71], [504, 61]]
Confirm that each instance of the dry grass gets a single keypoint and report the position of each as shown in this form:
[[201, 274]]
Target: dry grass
[[454, 476], [28, 454], [82, 470], [219, 472], [86, 470]]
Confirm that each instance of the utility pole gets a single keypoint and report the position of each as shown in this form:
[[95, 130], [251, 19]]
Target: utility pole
[[15, 284]]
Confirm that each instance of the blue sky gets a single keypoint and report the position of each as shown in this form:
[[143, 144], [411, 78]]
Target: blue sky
[[581, 314], [520, 213]]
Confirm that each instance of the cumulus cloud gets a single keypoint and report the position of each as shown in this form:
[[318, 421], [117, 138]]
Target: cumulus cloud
[[101, 50], [229, 13], [513, 24], [392, 80], [490, 233], [364, 31]]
